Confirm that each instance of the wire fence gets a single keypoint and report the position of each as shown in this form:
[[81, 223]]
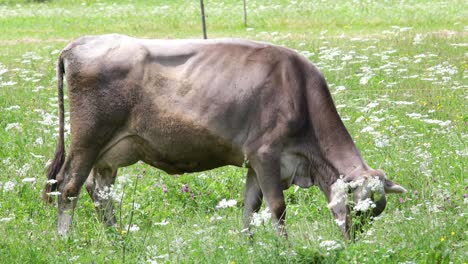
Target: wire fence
[[203, 16]]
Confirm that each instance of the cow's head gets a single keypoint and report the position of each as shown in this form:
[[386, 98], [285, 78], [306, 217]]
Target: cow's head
[[353, 200]]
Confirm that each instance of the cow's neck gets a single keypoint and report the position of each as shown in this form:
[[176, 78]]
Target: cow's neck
[[334, 145]]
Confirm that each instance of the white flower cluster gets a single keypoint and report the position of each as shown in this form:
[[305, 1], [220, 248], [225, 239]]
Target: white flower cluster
[[330, 245], [225, 204], [132, 228], [340, 192], [8, 219], [14, 126], [375, 184], [364, 205], [109, 192], [22, 172], [340, 223], [259, 218], [7, 186]]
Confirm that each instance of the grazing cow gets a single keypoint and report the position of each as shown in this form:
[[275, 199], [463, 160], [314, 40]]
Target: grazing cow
[[194, 105]]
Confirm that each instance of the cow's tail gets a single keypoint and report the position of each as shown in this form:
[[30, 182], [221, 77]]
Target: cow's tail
[[59, 158]]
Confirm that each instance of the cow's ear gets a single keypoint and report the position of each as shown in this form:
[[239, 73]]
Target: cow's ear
[[391, 187]]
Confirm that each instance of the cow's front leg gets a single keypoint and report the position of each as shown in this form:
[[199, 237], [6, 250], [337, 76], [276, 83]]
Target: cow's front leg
[[266, 164], [252, 199], [99, 186]]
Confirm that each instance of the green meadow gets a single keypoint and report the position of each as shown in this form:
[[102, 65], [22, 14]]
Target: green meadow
[[397, 71]]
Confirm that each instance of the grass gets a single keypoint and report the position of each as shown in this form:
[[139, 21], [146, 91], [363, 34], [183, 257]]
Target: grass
[[397, 71]]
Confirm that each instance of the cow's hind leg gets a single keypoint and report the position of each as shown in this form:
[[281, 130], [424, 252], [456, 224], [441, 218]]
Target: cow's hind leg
[[99, 186], [87, 140], [71, 178], [252, 199]]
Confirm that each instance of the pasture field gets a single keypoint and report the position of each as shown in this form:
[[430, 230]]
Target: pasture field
[[398, 74]]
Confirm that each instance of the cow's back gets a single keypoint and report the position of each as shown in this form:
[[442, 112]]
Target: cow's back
[[187, 105]]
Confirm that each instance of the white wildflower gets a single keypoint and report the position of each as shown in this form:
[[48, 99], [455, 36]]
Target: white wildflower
[[48, 119], [124, 179], [307, 53], [372, 105], [39, 141], [403, 103], [259, 218], [459, 44], [52, 181], [356, 183], [418, 39], [154, 259], [438, 122], [111, 192], [36, 156], [364, 80], [7, 161], [370, 232], [367, 129], [339, 89], [347, 57], [29, 180], [132, 228], [339, 190], [415, 209], [178, 244], [13, 107], [14, 126], [38, 88], [162, 223], [359, 119], [340, 223], [9, 83], [375, 184], [215, 218], [330, 245], [225, 204], [414, 115], [7, 219], [105, 192], [381, 142], [364, 205], [245, 230], [23, 170], [9, 186], [47, 164]]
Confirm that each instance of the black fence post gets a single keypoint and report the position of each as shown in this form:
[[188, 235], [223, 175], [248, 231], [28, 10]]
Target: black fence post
[[202, 6], [245, 13]]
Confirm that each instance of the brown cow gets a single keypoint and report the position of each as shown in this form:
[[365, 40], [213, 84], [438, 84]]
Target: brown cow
[[194, 105]]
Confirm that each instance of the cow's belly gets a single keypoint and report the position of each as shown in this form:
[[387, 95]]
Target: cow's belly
[[171, 150]]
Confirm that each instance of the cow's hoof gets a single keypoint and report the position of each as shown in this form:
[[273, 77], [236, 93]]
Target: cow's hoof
[[64, 224]]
